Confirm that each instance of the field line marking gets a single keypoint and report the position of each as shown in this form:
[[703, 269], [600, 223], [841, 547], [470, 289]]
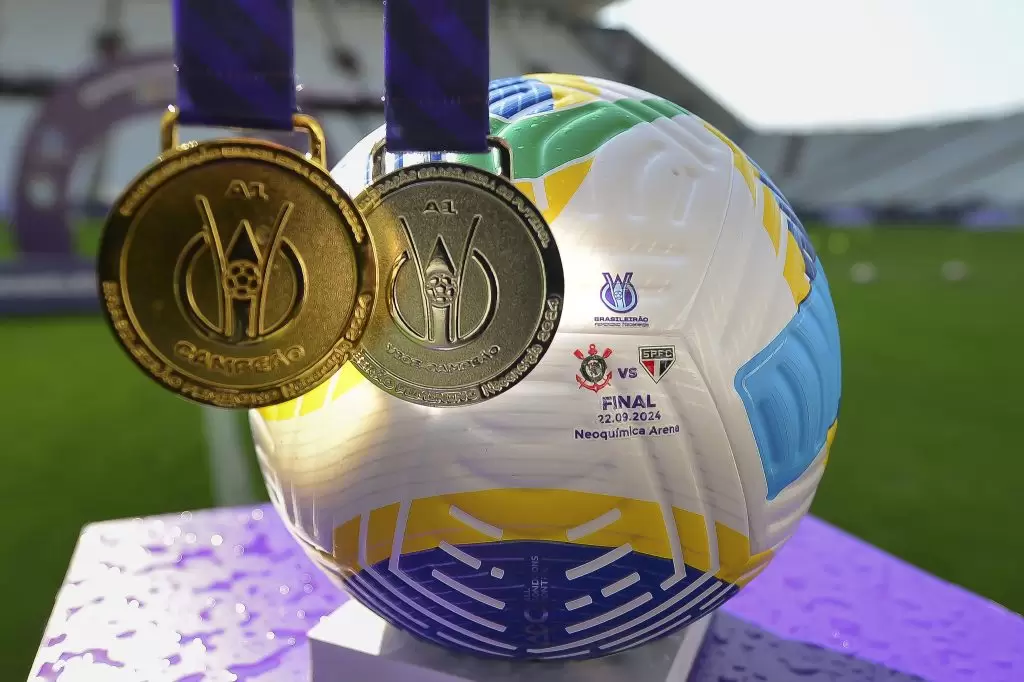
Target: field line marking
[[228, 457]]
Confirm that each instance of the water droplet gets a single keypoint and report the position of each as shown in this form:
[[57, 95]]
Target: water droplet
[[216, 540]]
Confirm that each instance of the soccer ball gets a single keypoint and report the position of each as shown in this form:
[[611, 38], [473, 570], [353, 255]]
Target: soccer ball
[[655, 459]]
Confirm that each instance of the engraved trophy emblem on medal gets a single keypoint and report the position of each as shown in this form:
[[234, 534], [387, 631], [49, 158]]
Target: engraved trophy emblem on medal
[[442, 283], [226, 287]]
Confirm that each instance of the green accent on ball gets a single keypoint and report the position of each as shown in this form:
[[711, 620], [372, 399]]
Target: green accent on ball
[[666, 108], [545, 142]]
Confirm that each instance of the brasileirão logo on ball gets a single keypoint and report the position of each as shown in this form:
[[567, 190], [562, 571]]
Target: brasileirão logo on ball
[[619, 295]]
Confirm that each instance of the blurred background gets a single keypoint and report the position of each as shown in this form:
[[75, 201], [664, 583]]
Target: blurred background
[[890, 126]]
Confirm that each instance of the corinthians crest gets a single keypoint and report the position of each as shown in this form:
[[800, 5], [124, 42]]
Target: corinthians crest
[[594, 373], [226, 289], [441, 300]]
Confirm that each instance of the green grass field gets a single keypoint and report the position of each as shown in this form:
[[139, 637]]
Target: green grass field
[[923, 464]]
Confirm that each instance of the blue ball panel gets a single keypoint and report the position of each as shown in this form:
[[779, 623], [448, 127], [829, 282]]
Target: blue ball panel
[[510, 96], [511, 599], [791, 389]]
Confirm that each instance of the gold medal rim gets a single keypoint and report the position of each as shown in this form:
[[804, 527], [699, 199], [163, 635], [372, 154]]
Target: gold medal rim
[[372, 198], [111, 252]]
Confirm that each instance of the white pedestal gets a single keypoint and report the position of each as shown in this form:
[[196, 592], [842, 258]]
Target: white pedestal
[[354, 644]]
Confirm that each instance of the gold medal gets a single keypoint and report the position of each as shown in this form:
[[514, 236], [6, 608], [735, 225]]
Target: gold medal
[[472, 284], [236, 272]]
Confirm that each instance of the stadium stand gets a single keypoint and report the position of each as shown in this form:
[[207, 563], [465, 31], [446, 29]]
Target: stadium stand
[[339, 50], [905, 172], [971, 162]]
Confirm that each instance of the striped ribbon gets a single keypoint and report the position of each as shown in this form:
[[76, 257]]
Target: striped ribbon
[[436, 72], [236, 63]]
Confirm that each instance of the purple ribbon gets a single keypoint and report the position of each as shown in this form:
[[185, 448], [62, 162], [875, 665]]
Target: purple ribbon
[[236, 63], [436, 72]]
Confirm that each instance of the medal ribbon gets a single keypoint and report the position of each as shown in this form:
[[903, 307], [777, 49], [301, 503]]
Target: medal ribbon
[[436, 72], [236, 63]]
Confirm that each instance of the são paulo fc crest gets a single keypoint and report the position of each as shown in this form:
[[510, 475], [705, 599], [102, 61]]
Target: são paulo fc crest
[[618, 294], [657, 360], [594, 373]]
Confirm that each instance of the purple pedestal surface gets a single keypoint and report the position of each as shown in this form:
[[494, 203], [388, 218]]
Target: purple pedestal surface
[[228, 595]]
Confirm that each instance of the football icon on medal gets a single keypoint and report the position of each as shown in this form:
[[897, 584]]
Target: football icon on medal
[[594, 373]]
